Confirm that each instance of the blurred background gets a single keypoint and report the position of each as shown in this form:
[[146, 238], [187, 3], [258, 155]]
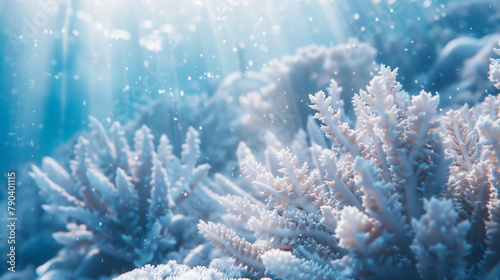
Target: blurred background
[[62, 60]]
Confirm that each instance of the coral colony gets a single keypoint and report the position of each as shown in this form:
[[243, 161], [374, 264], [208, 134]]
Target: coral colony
[[405, 191], [322, 165]]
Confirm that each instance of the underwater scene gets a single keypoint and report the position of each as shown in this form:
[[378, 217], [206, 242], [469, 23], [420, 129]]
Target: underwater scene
[[250, 139]]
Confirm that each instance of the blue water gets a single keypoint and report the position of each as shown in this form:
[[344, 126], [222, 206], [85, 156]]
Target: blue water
[[62, 62]]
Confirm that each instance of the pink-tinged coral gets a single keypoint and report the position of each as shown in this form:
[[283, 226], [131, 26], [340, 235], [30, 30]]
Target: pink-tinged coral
[[406, 191]]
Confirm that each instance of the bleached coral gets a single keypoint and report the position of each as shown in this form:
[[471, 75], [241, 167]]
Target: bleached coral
[[288, 266], [439, 243], [126, 206], [248, 106], [495, 69], [281, 105], [174, 114], [174, 271], [406, 192]]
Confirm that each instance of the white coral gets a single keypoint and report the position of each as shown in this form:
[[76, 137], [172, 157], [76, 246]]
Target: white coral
[[125, 204], [368, 206], [440, 242], [495, 69]]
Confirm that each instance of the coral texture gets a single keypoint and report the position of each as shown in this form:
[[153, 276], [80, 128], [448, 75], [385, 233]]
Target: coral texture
[[126, 207], [218, 270], [281, 103], [495, 69], [248, 105], [406, 192], [174, 116]]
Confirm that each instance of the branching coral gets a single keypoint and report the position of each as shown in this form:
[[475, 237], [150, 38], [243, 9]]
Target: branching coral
[[405, 192], [126, 207], [440, 244], [218, 270], [173, 115], [246, 106], [281, 104], [495, 69]]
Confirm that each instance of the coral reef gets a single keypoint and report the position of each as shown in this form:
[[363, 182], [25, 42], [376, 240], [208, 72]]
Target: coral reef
[[218, 269], [495, 70], [247, 106], [282, 104], [207, 159], [405, 192], [173, 116], [126, 207]]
